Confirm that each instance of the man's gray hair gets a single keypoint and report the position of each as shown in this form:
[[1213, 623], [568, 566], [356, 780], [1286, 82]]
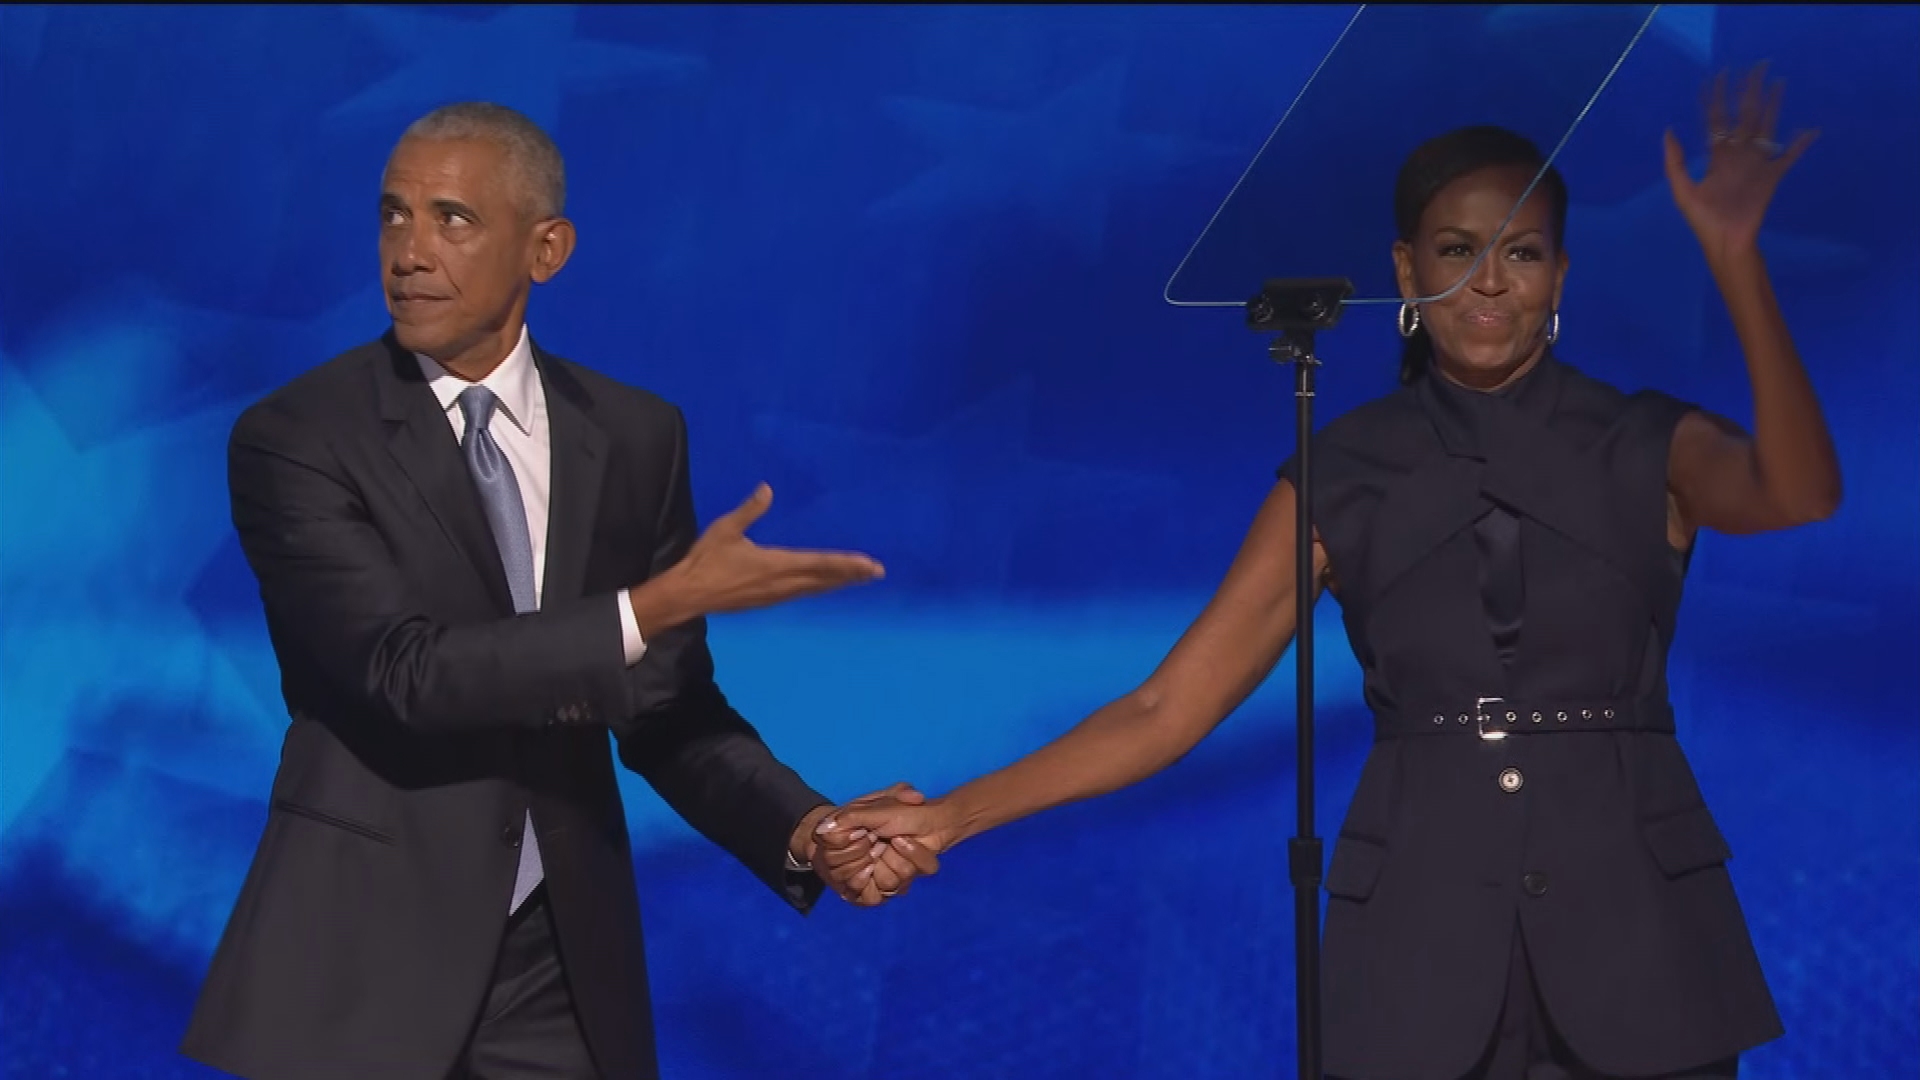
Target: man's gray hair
[[530, 152]]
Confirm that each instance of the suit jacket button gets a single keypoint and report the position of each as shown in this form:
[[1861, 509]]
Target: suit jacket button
[[1511, 780], [510, 835], [1535, 884]]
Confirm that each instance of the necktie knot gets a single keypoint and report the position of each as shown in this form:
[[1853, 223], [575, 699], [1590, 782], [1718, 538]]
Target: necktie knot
[[476, 404]]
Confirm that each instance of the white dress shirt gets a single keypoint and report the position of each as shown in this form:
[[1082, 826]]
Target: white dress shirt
[[520, 427]]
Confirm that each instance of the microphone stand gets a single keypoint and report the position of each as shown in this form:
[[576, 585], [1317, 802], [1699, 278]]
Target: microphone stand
[[1294, 310]]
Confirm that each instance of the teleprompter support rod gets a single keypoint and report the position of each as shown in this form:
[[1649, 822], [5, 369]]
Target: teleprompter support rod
[[1294, 310]]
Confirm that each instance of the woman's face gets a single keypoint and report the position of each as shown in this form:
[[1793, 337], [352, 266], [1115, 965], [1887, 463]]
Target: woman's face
[[1495, 326]]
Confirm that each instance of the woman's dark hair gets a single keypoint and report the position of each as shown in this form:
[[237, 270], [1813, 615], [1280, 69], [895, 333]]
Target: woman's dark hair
[[1439, 162]]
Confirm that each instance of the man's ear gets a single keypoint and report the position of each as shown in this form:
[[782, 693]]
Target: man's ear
[[553, 241]]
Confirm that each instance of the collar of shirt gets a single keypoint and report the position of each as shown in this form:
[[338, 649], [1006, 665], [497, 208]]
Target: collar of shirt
[[512, 382], [1459, 414]]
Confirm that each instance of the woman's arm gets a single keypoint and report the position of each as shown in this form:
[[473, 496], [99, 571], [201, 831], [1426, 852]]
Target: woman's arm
[[1786, 474], [1216, 664]]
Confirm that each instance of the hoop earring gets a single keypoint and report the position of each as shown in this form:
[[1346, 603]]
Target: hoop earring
[[1553, 332], [1409, 329]]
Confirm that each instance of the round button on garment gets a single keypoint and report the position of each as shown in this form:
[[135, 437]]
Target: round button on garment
[[1535, 884], [1511, 780]]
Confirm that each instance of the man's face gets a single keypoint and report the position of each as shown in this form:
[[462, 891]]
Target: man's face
[[459, 249]]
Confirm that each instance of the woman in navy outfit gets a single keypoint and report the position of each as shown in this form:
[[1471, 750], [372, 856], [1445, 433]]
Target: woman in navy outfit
[[1528, 883]]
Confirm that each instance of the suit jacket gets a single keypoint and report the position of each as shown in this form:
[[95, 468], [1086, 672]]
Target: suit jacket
[[1591, 838], [428, 719]]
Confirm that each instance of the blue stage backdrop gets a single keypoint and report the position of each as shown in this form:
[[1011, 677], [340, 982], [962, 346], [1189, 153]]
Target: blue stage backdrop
[[905, 264]]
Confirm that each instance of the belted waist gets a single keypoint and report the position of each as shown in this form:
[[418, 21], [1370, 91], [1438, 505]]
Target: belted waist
[[1497, 718]]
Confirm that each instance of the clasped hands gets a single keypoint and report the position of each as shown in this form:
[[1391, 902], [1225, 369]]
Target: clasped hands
[[873, 848]]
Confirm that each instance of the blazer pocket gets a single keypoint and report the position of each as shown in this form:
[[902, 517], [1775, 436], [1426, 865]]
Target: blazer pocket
[[1687, 841], [1356, 866], [287, 806], [321, 780]]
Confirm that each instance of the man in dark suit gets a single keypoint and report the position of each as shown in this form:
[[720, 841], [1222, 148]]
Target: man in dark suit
[[476, 560]]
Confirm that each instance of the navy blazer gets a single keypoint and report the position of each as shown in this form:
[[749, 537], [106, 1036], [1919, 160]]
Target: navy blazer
[[427, 719], [1576, 818]]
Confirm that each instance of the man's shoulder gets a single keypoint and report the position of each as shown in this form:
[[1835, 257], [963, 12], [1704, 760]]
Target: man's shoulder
[[321, 391], [612, 395], [333, 399]]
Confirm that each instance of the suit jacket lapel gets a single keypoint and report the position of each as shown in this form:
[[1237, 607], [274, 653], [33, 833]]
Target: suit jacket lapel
[[579, 466], [428, 452]]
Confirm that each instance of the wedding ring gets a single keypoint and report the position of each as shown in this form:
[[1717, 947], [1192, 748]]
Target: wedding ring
[[884, 892], [1768, 145]]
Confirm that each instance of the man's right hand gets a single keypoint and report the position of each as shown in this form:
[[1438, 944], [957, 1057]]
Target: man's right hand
[[863, 867], [724, 571]]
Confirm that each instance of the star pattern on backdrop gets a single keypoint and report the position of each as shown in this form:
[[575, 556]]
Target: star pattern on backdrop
[[1689, 28], [125, 396], [1059, 159], [127, 355], [947, 504], [526, 56], [141, 706], [1668, 272], [121, 559]]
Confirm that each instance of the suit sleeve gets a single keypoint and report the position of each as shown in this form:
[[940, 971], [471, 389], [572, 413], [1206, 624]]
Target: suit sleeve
[[335, 596], [703, 758]]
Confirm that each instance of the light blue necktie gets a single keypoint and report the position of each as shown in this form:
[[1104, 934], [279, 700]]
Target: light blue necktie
[[507, 516]]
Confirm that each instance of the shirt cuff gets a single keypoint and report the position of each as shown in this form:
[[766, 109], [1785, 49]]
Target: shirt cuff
[[630, 641]]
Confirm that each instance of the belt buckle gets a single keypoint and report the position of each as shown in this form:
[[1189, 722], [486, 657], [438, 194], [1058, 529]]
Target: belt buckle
[[1481, 716]]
